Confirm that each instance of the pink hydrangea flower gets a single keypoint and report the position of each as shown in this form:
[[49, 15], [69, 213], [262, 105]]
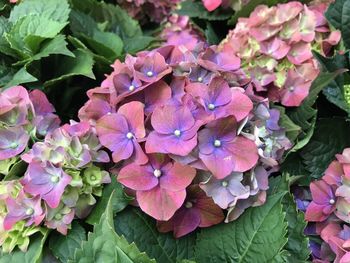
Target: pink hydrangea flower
[[211, 5], [121, 132], [47, 181], [23, 208], [222, 151], [161, 180], [12, 142], [175, 131], [199, 210], [59, 218]]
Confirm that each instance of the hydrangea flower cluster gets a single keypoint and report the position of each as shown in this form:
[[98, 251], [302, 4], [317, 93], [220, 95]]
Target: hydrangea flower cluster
[[23, 116], [186, 138], [61, 179], [154, 10], [327, 210], [275, 44]]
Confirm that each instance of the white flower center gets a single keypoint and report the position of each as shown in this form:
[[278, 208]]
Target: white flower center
[[211, 106], [149, 73], [200, 79], [129, 135], [29, 211], [13, 145], [291, 88], [58, 216], [55, 179], [131, 88], [224, 183], [217, 143], [188, 205], [177, 133], [157, 173], [332, 201]]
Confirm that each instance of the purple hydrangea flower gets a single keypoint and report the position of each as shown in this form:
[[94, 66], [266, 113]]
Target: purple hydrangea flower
[[175, 131], [47, 181], [13, 141], [23, 208]]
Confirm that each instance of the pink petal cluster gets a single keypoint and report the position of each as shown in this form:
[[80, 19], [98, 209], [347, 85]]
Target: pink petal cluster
[[212, 5], [23, 115], [275, 44], [178, 116], [153, 10], [329, 209]]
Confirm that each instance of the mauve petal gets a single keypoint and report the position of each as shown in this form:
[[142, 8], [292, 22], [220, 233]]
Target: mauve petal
[[139, 156], [219, 91], [219, 162], [205, 141], [321, 192], [240, 105], [113, 141], [332, 229], [333, 173], [156, 95], [53, 198], [178, 177], [296, 96], [198, 90], [111, 124], [210, 213], [185, 221], [124, 151], [40, 102], [159, 203], [211, 5], [314, 213], [10, 221], [165, 226], [133, 112], [137, 177], [169, 144], [244, 154]]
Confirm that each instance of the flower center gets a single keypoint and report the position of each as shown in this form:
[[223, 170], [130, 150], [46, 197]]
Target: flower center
[[58, 216], [157, 173], [224, 183], [200, 79], [211, 106], [129, 135], [188, 205], [332, 201], [93, 177], [149, 73], [13, 145], [177, 133], [29, 211], [55, 179], [131, 88], [291, 88], [217, 143]]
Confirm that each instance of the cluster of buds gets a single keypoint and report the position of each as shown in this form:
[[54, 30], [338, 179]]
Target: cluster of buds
[[275, 45], [186, 138], [24, 117], [153, 10], [327, 209]]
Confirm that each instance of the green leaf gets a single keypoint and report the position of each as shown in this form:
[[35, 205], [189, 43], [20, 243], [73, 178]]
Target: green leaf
[[80, 65], [331, 136], [211, 36], [141, 229], [138, 43], [21, 77], [305, 115], [104, 245], [257, 236], [292, 130], [338, 14], [63, 247], [33, 254], [30, 31], [120, 201], [196, 9], [57, 10]]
